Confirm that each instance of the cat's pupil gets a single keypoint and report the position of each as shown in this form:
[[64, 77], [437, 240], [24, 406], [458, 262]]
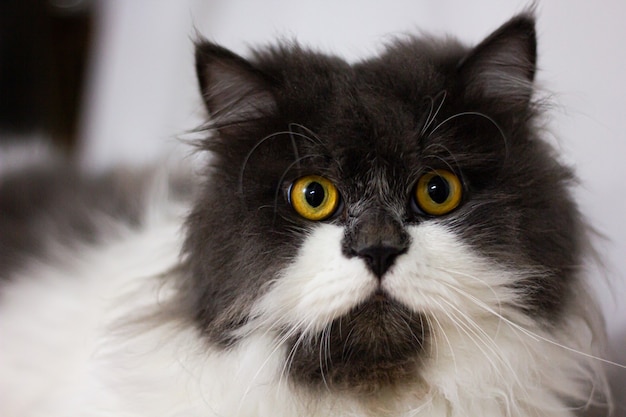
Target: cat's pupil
[[438, 189], [314, 194]]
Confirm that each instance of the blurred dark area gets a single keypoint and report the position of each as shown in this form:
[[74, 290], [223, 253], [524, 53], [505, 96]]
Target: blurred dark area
[[44, 46]]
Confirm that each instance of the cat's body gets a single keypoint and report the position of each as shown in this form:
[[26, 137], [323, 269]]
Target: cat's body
[[390, 238]]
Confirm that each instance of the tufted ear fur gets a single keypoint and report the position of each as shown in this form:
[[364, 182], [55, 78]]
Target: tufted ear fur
[[502, 67], [233, 90]]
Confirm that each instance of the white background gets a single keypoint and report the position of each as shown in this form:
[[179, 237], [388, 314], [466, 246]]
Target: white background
[[142, 93]]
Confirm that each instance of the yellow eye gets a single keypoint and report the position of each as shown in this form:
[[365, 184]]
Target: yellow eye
[[314, 197], [438, 192]]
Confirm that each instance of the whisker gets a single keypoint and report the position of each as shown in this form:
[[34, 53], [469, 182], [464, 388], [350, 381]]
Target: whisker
[[324, 343], [492, 346], [446, 163], [479, 114], [486, 346], [445, 336], [278, 344], [463, 327], [282, 178], [419, 341], [535, 336], [296, 154], [286, 369], [433, 346], [481, 281], [313, 138], [417, 410], [261, 142], [432, 116], [430, 112]]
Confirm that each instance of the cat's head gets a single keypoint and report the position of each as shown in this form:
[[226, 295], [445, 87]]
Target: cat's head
[[359, 212]]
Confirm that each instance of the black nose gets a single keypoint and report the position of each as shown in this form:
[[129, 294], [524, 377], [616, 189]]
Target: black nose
[[379, 258]]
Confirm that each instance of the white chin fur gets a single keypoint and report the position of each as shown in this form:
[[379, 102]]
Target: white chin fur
[[63, 352]]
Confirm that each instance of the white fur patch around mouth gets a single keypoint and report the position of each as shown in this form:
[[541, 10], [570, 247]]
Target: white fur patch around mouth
[[441, 273], [437, 272], [319, 286]]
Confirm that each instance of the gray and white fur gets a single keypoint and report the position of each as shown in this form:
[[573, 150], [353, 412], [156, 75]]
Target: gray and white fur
[[138, 295]]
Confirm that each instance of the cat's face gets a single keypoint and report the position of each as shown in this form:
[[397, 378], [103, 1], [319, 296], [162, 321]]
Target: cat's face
[[362, 214]]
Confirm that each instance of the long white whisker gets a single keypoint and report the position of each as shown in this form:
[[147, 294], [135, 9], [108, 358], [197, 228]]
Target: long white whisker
[[468, 295], [467, 326], [313, 138], [304, 332], [445, 336], [278, 344], [256, 146], [536, 336], [463, 327], [481, 281], [433, 115], [433, 346], [271, 324], [323, 359], [492, 346], [475, 113]]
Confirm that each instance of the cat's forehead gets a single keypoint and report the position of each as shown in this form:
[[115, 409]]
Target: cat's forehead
[[372, 112], [368, 138], [310, 84]]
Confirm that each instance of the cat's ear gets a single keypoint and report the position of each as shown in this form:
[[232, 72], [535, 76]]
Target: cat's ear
[[233, 89], [502, 67]]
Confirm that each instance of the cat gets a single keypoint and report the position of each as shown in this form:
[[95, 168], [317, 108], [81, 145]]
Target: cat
[[390, 237]]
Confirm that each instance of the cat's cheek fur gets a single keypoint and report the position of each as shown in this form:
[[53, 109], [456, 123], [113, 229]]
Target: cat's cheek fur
[[320, 285], [442, 275]]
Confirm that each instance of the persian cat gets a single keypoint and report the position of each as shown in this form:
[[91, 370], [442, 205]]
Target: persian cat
[[390, 237]]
